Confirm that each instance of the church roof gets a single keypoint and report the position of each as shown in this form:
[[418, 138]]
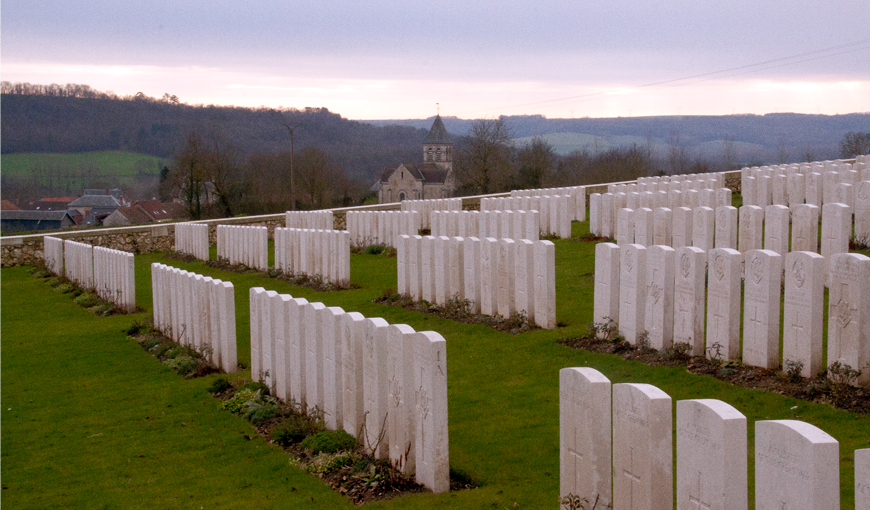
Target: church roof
[[437, 133], [427, 172]]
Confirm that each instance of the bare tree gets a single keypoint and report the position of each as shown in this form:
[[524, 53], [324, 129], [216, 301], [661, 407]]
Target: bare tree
[[188, 173], [319, 179], [486, 158], [223, 171], [537, 162], [854, 144]]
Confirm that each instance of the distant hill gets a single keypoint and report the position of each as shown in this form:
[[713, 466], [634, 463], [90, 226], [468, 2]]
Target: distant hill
[[47, 124], [753, 138]]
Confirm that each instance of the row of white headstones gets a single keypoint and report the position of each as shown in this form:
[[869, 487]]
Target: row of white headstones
[[616, 448], [604, 208], [749, 228], [498, 224], [311, 220], [110, 273], [816, 183], [496, 276], [577, 202], [426, 206], [192, 238], [242, 244], [556, 211], [385, 384], [197, 311], [662, 291], [314, 252], [381, 227]]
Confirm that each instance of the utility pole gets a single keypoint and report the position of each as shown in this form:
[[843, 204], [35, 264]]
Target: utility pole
[[292, 129]]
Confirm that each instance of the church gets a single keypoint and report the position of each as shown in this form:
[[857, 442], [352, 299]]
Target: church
[[431, 179]]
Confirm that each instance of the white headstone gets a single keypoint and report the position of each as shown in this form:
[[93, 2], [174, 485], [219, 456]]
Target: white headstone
[[643, 226], [797, 466], [862, 479], [333, 379], [353, 334], [761, 300], [584, 435], [632, 291], [659, 312], [849, 313], [726, 227], [642, 448], [776, 228], [836, 230], [376, 439], [545, 284], [702, 228], [506, 276], [606, 298], [689, 298], [751, 228], [431, 435], [624, 226], [682, 230], [803, 311], [524, 285], [805, 228], [711, 456], [471, 261], [401, 340], [862, 212]]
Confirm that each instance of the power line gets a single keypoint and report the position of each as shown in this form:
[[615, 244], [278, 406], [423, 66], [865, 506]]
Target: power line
[[744, 69]]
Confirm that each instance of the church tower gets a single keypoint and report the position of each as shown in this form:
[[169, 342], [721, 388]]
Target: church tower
[[437, 147]]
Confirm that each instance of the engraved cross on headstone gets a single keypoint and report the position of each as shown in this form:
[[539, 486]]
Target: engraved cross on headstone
[[631, 476], [578, 458], [796, 324], [696, 501], [756, 322]]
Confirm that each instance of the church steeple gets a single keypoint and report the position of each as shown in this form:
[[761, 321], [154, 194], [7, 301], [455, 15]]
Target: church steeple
[[437, 147]]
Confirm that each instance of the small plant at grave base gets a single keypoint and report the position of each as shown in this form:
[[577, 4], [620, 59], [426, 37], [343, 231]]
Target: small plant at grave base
[[575, 502], [87, 300], [680, 350], [643, 343], [373, 478], [140, 326], [234, 404], [295, 428], [374, 249], [841, 374], [326, 463], [329, 441], [791, 370], [714, 352], [260, 408], [256, 386], [219, 385], [606, 330], [182, 364], [390, 252]]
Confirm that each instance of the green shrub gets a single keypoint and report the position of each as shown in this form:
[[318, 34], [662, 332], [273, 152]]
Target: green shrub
[[139, 326], [149, 343], [238, 400], [160, 348], [260, 409], [294, 429], [219, 385], [256, 386], [329, 441], [374, 249], [184, 365], [87, 300], [326, 463]]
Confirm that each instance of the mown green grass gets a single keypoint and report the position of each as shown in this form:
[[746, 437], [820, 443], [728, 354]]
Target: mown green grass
[[122, 167], [84, 377]]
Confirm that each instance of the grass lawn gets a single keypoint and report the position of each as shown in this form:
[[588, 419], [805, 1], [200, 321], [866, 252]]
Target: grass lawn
[[90, 420]]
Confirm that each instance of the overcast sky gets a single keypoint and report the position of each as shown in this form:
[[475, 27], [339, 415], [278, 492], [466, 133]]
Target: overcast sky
[[396, 60]]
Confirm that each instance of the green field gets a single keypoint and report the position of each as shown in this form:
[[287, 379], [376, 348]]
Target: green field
[[52, 169], [92, 421]]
